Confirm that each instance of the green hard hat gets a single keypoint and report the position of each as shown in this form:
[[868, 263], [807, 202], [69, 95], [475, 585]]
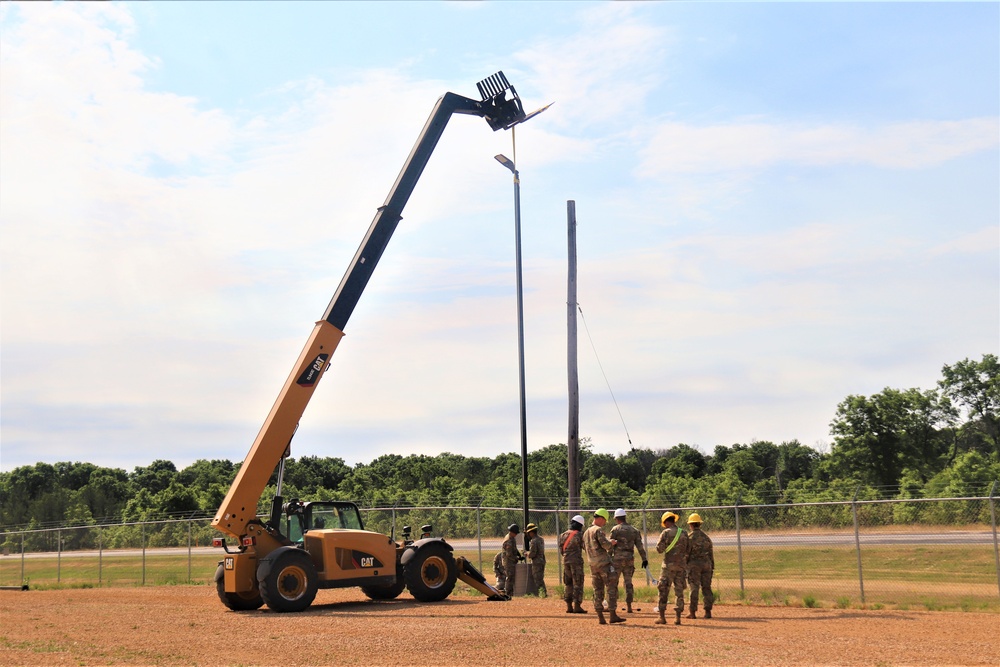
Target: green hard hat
[[603, 513]]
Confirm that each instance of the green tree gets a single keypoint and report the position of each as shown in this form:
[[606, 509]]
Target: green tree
[[975, 385], [155, 477], [877, 436]]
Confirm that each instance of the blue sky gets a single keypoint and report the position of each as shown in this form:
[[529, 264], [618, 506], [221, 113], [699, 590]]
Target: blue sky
[[779, 205]]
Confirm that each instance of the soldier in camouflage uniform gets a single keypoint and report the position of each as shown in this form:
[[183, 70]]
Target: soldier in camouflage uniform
[[674, 546], [571, 546], [535, 552], [602, 573], [499, 572], [626, 539], [510, 557], [701, 566]]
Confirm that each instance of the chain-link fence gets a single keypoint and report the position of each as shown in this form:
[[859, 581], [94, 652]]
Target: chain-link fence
[[939, 553]]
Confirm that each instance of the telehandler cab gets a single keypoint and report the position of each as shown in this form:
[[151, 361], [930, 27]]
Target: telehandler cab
[[325, 544]]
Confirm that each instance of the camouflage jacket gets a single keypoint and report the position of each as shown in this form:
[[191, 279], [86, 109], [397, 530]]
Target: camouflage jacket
[[681, 551], [629, 539], [509, 548], [701, 547], [536, 549], [571, 546], [498, 563], [598, 547]]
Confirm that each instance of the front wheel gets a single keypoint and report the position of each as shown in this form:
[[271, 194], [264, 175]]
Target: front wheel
[[431, 573], [291, 583]]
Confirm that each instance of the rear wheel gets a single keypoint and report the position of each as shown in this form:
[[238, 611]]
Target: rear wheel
[[236, 601], [431, 574], [385, 592], [291, 583]]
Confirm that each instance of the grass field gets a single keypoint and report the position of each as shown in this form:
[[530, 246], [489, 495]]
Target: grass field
[[897, 577]]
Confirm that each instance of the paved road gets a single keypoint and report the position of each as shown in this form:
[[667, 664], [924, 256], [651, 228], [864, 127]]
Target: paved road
[[748, 541]]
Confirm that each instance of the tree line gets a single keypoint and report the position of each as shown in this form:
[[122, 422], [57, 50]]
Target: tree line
[[903, 443]]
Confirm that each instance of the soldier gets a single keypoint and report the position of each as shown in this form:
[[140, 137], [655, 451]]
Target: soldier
[[535, 552], [499, 572], [510, 557], [602, 573], [571, 546], [674, 546], [626, 538], [701, 566]]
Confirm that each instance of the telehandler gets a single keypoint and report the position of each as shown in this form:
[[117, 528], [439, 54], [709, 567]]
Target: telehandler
[[325, 544]]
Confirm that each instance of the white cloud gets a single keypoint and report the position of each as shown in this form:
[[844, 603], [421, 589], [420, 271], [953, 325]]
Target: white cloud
[[676, 147]]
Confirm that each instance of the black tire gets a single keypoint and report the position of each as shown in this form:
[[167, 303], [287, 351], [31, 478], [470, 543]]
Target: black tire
[[291, 583], [385, 592], [432, 573], [236, 601]]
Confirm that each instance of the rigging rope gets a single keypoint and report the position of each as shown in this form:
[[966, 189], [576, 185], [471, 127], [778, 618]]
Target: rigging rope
[[601, 366]]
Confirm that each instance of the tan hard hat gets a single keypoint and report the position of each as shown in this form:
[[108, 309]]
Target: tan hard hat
[[530, 527], [694, 518], [666, 517]]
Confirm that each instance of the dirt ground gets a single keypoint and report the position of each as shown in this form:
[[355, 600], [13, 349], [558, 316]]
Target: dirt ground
[[187, 625]]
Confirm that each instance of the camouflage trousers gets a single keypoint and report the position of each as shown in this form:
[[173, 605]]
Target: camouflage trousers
[[538, 575], [573, 580], [674, 575], [700, 576], [509, 567], [605, 578], [501, 579], [627, 569]]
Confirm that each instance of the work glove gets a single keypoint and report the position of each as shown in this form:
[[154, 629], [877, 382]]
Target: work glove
[[645, 564]]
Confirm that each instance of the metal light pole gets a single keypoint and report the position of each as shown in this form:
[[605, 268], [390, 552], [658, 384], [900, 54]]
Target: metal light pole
[[507, 162]]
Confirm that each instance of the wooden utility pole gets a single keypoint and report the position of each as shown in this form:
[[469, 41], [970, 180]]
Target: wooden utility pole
[[573, 439]]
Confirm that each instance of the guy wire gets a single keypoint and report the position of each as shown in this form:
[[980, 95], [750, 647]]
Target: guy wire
[[601, 366]]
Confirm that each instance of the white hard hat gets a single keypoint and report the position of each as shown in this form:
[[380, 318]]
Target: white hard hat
[[619, 512], [579, 519]]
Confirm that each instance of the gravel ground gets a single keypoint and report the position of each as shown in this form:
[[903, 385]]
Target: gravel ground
[[187, 625]]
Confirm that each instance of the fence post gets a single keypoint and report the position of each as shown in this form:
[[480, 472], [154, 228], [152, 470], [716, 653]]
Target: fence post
[[857, 542], [22, 556], [100, 555], [558, 550], [993, 518], [479, 534], [142, 539], [189, 552], [59, 556], [739, 539], [645, 541], [394, 503]]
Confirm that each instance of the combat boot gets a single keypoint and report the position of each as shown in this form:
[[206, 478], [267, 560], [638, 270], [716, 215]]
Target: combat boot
[[708, 613], [615, 618], [662, 619], [628, 605], [600, 616], [677, 621], [577, 609], [691, 615], [569, 606]]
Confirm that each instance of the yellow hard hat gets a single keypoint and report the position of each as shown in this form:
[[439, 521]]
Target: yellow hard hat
[[530, 527], [603, 513], [666, 517], [694, 518]]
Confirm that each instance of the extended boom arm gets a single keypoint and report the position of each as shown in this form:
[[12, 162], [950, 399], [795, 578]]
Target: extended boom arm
[[240, 504]]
